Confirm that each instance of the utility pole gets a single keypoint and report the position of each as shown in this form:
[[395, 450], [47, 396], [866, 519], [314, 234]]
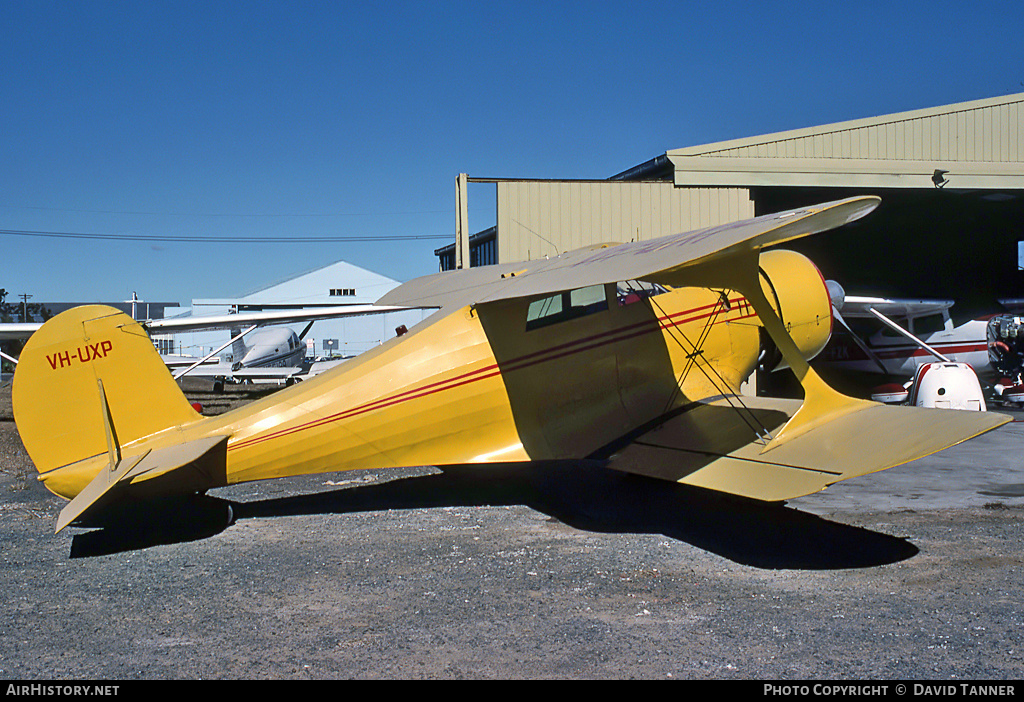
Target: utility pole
[[24, 306], [462, 255]]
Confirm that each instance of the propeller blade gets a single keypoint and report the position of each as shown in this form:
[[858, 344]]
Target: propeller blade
[[860, 342]]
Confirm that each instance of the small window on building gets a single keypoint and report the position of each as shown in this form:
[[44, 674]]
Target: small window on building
[[565, 306]]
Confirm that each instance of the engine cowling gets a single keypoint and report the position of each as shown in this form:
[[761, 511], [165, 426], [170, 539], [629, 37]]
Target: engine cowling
[[797, 292]]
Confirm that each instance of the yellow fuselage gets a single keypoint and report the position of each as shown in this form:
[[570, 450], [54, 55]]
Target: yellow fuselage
[[469, 389]]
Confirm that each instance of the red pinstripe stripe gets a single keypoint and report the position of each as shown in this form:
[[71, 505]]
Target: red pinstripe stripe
[[369, 407], [946, 347], [531, 359]]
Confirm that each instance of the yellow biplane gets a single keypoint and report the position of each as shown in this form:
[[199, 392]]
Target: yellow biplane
[[630, 354]]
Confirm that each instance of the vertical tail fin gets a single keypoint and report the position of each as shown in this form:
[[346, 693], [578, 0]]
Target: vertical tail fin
[[237, 345], [89, 383]]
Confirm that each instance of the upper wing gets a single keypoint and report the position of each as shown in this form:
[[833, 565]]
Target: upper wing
[[665, 258], [857, 306]]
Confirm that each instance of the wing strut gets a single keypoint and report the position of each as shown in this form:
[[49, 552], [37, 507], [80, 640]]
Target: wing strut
[[210, 355], [896, 327], [860, 342]]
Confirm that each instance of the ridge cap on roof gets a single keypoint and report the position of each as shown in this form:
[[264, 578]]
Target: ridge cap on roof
[[704, 149]]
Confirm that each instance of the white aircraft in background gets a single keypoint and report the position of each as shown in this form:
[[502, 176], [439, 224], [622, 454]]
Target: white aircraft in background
[[270, 354], [267, 354], [918, 337]]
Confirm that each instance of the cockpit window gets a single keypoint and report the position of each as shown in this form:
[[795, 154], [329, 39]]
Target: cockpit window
[[928, 324], [566, 305], [892, 333]]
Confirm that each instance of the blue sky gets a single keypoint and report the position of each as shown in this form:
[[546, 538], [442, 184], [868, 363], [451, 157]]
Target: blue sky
[[340, 119]]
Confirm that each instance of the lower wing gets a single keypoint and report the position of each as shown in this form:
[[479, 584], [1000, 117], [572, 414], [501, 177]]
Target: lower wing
[[720, 446]]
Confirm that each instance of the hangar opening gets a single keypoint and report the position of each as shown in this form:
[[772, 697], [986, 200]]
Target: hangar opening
[[960, 245]]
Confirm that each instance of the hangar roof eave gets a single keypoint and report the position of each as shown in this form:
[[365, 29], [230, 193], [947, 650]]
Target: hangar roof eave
[[979, 144]]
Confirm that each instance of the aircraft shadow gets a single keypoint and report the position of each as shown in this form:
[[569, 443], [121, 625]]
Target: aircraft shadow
[[153, 523], [592, 498], [583, 496]]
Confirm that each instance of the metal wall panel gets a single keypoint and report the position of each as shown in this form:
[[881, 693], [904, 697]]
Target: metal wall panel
[[984, 134], [544, 218], [979, 143]]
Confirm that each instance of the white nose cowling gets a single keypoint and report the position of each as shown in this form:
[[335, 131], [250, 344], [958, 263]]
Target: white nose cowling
[[836, 294]]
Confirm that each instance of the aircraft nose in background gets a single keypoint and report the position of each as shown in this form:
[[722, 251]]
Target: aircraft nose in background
[[836, 294]]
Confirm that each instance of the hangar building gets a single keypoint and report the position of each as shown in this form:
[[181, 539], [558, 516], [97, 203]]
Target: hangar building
[[950, 226]]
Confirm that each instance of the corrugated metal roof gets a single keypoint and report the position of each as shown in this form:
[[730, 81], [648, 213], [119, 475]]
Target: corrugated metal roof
[[980, 144]]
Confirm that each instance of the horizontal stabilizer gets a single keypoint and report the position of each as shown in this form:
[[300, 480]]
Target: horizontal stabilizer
[[720, 446], [205, 457]]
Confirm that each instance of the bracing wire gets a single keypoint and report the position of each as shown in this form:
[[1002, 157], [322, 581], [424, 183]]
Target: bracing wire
[[707, 369]]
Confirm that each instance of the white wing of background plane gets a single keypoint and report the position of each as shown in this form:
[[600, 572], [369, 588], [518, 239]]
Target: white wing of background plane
[[856, 306], [253, 320], [226, 321], [18, 330]]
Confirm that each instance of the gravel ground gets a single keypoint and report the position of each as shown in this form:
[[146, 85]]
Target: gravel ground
[[503, 572]]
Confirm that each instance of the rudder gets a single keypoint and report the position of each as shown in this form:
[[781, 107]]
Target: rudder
[[86, 370]]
